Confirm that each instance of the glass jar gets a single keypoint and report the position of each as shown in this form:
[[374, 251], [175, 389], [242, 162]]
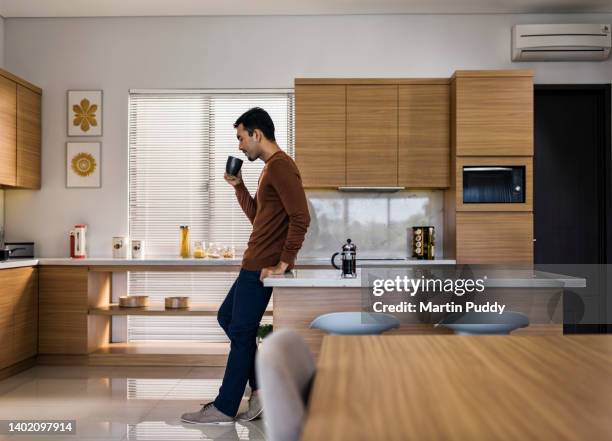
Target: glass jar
[[229, 252], [198, 249], [213, 251], [185, 241]]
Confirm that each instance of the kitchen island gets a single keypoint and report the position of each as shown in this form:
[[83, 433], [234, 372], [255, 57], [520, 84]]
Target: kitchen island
[[303, 294]]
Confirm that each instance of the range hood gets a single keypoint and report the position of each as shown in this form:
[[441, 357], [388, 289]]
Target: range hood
[[352, 189]]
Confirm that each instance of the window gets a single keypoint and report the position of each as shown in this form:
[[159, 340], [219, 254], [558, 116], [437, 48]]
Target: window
[[178, 145]]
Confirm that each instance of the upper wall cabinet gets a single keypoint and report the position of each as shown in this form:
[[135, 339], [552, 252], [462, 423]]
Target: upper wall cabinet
[[28, 138], [20, 132], [320, 131], [424, 126], [494, 113], [371, 135], [8, 131], [383, 132]]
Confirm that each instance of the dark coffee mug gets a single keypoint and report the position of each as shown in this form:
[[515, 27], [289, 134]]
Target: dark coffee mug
[[5, 253], [233, 165]]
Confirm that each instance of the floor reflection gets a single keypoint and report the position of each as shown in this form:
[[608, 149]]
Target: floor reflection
[[113, 403], [159, 430]]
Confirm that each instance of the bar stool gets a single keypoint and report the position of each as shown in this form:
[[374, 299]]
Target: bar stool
[[355, 323], [484, 323]]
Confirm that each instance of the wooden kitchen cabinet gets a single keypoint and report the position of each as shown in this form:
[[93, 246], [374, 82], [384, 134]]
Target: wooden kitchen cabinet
[[66, 294], [320, 134], [371, 135], [494, 113], [63, 310], [424, 136], [18, 315], [25, 340], [7, 293], [28, 138], [361, 132], [8, 131], [20, 132], [494, 237]]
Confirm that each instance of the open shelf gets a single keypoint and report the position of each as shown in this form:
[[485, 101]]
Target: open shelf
[[161, 353], [159, 309]]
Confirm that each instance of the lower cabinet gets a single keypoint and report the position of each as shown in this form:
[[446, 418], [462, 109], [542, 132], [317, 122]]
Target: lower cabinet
[[65, 326], [18, 315], [63, 307], [25, 338], [6, 319], [494, 237]]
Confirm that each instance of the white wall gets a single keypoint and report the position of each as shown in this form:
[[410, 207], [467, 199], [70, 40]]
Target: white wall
[[223, 52]]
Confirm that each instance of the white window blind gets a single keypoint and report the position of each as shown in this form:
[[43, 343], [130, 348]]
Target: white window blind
[[178, 146]]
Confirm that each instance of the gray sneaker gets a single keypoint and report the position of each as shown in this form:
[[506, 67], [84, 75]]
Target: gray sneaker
[[209, 414], [254, 411]]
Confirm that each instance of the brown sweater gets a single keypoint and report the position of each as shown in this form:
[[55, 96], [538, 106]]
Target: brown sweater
[[279, 214]]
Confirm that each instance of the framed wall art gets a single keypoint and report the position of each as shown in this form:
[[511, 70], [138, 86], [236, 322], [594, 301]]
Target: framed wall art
[[83, 162], [84, 113]]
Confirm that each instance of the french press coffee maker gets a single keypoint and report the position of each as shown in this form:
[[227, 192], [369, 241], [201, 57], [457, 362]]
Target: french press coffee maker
[[349, 260]]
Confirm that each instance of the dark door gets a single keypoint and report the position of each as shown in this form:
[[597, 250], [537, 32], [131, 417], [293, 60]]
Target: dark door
[[571, 187]]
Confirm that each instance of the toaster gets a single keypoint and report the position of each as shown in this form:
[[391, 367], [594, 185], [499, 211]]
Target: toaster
[[20, 249]]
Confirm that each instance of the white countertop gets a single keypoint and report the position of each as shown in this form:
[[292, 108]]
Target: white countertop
[[312, 278], [323, 278], [161, 261], [17, 263], [306, 278], [178, 261], [109, 261]]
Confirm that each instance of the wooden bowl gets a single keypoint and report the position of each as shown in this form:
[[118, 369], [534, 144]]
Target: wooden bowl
[[177, 302], [133, 301]]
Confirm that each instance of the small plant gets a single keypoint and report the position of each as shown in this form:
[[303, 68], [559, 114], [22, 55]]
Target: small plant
[[263, 331]]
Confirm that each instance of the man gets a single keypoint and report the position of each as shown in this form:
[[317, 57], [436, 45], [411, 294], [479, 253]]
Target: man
[[279, 215]]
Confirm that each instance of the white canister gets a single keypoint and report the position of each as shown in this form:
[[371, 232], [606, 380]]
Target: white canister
[[138, 250], [121, 247]]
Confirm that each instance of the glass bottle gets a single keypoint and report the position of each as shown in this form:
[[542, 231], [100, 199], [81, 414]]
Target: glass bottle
[[184, 241]]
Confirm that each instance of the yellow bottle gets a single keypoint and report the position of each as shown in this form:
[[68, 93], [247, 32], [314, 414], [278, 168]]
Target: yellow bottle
[[185, 241]]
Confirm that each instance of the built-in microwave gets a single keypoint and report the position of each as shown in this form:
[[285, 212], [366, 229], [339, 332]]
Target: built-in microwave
[[493, 184]]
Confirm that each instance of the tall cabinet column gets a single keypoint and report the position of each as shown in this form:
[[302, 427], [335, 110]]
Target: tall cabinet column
[[491, 125]]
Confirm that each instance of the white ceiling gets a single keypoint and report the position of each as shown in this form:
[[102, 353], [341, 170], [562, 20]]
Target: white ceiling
[[114, 8]]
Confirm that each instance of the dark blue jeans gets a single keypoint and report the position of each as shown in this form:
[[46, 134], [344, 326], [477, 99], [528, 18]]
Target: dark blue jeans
[[239, 316]]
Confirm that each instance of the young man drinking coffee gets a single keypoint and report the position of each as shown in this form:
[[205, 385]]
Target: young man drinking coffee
[[280, 219]]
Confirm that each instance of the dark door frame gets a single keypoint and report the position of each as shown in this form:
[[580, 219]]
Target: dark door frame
[[605, 252]]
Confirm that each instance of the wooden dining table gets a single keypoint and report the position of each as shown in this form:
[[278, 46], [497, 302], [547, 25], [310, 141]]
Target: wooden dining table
[[446, 388]]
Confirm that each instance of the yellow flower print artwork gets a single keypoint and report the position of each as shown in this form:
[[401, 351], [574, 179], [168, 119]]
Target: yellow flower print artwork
[[84, 113], [83, 164]]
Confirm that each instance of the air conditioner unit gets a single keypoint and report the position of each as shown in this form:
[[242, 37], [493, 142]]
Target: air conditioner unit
[[561, 42]]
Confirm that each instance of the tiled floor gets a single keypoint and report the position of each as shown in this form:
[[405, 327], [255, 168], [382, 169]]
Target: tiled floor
[[110, 403]]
